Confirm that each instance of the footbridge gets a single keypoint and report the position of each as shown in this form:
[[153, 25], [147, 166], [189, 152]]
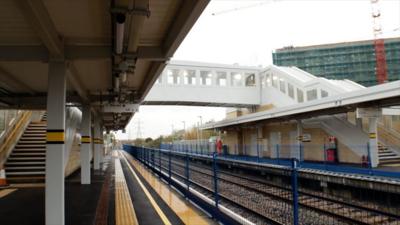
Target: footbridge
[[210, 84]]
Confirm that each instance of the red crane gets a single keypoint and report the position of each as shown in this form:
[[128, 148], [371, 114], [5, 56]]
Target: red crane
[[379, 44]]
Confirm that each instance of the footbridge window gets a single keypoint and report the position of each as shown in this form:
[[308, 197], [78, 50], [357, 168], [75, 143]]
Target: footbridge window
[[300, 96], [237, 79], [221, 79], [324, 94], [268, 80], [274, 81], [250, 79], [173, 76], [282, 85], [290, 90], [189, 77], [206, 78], [312, 95]]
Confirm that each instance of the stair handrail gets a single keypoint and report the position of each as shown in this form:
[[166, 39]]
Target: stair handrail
[[387, 135], [12, 135]]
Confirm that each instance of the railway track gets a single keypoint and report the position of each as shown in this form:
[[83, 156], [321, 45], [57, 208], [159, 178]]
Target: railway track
[[253, 193]]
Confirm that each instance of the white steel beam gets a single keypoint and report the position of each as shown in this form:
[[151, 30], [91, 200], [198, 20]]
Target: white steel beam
[[74, 52], [12, 84]]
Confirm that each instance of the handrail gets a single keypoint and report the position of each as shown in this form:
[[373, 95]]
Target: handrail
[[10, 138]]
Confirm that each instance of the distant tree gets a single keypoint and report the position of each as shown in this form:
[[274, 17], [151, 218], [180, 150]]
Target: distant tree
[[148, 140]]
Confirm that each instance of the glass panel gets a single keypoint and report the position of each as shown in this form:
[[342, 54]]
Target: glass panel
[[324, 93], [189, 77], [173, 76], [237, 79], [311, 94], [205, 77], [268, 80], [250, 79], [290, 90], [263, 83], [221, 79], [274, 81], [282, 85], [2, 120], [300, 96]]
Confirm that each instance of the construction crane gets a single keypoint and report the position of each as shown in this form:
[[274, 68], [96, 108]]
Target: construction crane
[[241, 8], [379, 44]]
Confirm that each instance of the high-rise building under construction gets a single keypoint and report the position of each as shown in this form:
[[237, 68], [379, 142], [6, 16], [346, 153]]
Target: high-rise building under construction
[[350, 60]]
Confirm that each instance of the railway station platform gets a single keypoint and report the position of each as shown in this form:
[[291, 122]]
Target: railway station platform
[[122, 192]]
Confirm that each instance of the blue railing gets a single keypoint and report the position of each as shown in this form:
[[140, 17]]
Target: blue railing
[[283, 156]]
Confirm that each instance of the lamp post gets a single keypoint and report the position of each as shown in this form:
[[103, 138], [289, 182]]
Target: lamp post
[[201, 133], [184, 129]]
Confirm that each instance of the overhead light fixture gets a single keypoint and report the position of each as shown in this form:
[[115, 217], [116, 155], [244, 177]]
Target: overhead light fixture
[[116, 83], [119, 33], [123, 76]]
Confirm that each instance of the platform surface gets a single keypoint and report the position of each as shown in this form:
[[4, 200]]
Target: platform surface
[[123, 192]]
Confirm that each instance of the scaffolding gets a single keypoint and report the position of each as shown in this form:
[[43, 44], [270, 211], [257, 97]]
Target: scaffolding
[[354, 61]]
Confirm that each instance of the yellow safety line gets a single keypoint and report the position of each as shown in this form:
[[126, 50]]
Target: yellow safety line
[[124, 211], [183, 210], [6, 192], [152, 201]]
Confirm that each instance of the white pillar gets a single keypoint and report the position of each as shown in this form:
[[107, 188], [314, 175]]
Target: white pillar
[[373, 141], [85, 145], [96, 139], [56, 99]]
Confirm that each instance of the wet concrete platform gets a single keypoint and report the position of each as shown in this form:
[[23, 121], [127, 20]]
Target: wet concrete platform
[[124, 192], [25, 205]]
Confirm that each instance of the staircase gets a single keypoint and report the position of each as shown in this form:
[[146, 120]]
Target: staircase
[[388, 157], [26, 163]]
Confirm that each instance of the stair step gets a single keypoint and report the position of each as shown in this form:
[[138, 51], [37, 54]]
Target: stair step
[[26, 159], [34, 133], [387, 154], [26, 168], [25, 142], [16, 154], [18, 146], [28, 180], [32, 150], [24, 163], [33, 137], [36, 128], [38, 125], [25, 173], [389, 161]]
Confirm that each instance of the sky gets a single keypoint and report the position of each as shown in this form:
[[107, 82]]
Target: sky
[[248, 31]]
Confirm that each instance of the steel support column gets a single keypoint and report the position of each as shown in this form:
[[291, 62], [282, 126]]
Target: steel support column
[[299, 139], [56, 99], [373, 141], [97, 137], [102, 150], [86, 145]]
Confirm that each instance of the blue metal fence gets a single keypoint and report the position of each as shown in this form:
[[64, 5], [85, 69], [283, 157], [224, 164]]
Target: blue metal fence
[[282, 155], [280, 204]]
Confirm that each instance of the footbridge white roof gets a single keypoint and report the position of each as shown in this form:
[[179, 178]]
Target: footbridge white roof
[[383, 95]]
